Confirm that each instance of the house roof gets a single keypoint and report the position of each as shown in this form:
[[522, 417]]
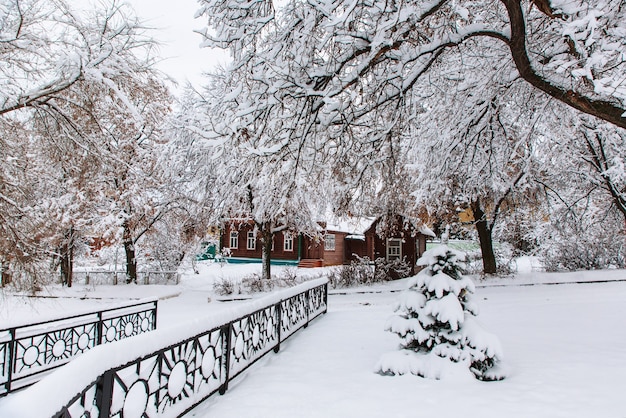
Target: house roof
[[354, 225]]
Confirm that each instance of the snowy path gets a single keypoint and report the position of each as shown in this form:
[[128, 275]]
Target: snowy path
[[565, 345]]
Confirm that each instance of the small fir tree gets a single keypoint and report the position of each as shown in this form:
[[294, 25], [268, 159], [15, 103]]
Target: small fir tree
[[436, 322]]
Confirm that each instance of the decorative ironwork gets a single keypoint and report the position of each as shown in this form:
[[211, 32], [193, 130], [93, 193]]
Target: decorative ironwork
[[252, 337], [173, 380], [29, 351], [317, 301], [293, 314]]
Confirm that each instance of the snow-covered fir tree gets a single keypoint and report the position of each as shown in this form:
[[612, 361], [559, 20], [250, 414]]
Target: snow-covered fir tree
[[437, 326]]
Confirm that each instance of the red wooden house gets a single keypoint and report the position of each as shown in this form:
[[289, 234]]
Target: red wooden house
[[335, 244]]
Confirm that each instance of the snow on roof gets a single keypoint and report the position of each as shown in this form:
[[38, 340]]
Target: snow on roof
[[353, 225], [359, 237], [356, 226], [424, 230]]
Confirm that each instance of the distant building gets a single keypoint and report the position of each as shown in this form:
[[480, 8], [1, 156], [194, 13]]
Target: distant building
[[335, 244]]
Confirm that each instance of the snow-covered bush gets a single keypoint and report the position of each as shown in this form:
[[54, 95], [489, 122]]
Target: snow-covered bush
[[358, 272], [225, 286], [390, 270], [362, 271], [287, 277], [436, 320], [583, 244], [254, 283]]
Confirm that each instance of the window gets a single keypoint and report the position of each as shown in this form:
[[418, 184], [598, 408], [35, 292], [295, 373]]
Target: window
[[251, 241], [234, 239], [288, 242], [394, 249], [329, 242]]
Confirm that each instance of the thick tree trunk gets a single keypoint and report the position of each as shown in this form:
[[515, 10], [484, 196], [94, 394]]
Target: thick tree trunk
[[67, 258], [484, 236], [131, 261], [266, 243]]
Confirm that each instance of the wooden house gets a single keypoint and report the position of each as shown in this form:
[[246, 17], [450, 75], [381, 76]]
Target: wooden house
[[335, 244]]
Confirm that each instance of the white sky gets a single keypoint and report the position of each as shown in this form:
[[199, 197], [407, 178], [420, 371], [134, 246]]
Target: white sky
[[183, 59]]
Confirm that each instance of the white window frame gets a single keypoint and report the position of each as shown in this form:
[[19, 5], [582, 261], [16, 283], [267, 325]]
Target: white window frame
[[394, 249], [330, 243], [251, 241], [234, 239], [288, 242]]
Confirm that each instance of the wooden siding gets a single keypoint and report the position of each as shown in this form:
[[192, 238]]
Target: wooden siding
[[336, 257], [242, 250], [346, 250]]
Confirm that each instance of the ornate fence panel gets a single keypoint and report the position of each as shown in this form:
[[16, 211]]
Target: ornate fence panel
[[251, 337], [28, 352], [173, 380]]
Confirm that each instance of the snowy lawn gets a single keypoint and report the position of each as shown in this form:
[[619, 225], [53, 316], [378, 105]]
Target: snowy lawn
[[565, 346]]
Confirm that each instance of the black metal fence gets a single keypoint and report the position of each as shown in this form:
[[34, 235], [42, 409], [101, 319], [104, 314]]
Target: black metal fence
[[173, 380], [30, 351]]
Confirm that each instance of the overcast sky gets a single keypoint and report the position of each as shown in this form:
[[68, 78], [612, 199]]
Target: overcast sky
[[183, 58]]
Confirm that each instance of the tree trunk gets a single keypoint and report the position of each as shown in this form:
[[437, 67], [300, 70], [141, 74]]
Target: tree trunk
[[484, 236], [266, 243], [67, 258], [131, 261], [5, 275]]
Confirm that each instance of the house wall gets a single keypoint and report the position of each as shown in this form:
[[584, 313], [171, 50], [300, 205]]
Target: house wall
[[354, 248], [422, 245], [336, 257], [304, 247], [312, 248], [278, 253]]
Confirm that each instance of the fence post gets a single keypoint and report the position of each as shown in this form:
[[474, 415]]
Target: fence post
[[306, 306], [154, 314], [326, 297], [104, 394], [226, 332], [12, 348], [99, 329], [279, 325]]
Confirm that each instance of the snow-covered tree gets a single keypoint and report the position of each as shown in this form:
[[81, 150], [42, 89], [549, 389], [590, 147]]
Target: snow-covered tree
[[479, 153], [582, 216], [347, 63], [436, 324], [82, 88], [255, 176], [339, 77]]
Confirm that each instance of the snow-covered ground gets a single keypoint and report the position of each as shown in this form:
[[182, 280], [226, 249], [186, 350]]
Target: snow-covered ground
[[565, 347]]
